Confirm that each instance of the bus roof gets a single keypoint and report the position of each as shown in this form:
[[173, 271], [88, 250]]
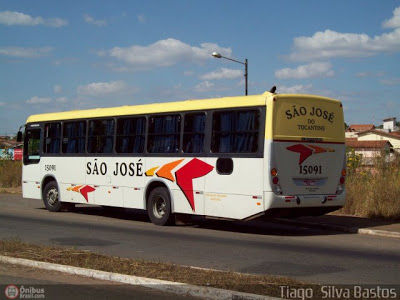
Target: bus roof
[[187, 105]]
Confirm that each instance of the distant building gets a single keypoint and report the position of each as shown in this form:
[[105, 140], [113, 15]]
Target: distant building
[[372, 142], [353, 130], [10, 149], [370, 150], [390, 125], [377, 135], [360, 127]]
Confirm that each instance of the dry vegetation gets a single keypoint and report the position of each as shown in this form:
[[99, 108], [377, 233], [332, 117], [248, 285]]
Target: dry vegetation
[[10, 173], [255, 284], [373, 192]]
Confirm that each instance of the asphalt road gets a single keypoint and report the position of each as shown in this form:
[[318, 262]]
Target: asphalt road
[[312, 255]]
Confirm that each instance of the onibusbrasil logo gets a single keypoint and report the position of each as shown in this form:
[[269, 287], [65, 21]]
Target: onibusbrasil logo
[[11, 291]]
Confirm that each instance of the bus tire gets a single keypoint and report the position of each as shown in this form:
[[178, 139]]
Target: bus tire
[[159, 207], [51, 197]]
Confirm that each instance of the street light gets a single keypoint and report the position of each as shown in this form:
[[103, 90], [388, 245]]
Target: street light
[[218, 55]]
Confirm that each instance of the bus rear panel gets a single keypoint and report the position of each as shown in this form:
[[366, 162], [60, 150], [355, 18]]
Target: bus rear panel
[[306, 163]]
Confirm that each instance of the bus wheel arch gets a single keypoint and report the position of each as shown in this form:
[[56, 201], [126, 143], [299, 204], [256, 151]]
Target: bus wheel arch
[[159, 204]]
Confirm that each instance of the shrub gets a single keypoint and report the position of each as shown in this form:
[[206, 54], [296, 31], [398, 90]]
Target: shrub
[[374, 193]]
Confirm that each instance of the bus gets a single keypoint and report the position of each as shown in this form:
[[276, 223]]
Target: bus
[[235, 158]]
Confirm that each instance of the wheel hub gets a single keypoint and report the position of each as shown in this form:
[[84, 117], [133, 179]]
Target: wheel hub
[[52, 196], [160, 207]]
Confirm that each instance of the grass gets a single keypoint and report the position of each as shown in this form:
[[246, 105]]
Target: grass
[[248, 283], [10, 174]]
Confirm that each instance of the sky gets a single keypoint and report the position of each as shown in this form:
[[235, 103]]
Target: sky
[[68, 55]]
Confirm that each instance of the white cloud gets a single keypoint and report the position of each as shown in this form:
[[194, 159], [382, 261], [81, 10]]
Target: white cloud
[[222, 73], [188, 73], [16, 18], [12, 18], [327, 44], [313, 70], [163, 53], [393, 22], [90, 20], [295, 89], [369, 74], [102, 88], [57, 89], [141, 19], [2, 104], [56, 22], [62, 100], [392, 81], [38, 100], [25, 52], [204, 86]]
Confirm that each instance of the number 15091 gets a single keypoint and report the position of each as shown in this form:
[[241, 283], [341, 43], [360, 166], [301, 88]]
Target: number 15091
[[305, 170]]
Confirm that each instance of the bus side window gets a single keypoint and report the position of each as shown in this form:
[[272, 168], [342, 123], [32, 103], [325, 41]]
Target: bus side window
[[193, 133], [74, 136], [52, 138], [130, 135], [101, 136], [235, 131], [32, 146], [164, 134]]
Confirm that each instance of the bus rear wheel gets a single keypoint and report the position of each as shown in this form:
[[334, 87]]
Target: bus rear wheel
[[159, 207]]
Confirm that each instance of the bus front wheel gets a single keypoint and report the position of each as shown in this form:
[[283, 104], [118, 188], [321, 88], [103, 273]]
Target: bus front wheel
[[159, 207], [51, 199]]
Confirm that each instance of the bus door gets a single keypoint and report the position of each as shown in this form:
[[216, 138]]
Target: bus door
[[31, 176]]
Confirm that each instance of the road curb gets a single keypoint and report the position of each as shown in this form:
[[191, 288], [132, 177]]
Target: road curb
[[182, 289], [376, 232]]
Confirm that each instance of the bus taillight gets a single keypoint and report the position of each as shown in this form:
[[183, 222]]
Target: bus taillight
[[275, 181], [342, 180]]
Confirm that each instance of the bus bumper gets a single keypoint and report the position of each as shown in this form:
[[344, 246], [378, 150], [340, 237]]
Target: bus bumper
[[302, 205]]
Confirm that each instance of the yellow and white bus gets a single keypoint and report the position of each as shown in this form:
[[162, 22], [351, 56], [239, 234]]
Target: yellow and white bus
[[234, 158]]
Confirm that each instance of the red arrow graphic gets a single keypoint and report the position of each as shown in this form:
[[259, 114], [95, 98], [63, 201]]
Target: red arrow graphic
[[85, 190], [303, 150], [185, 175]]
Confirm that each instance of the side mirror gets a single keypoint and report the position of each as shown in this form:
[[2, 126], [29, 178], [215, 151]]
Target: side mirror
[[19, 136]]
